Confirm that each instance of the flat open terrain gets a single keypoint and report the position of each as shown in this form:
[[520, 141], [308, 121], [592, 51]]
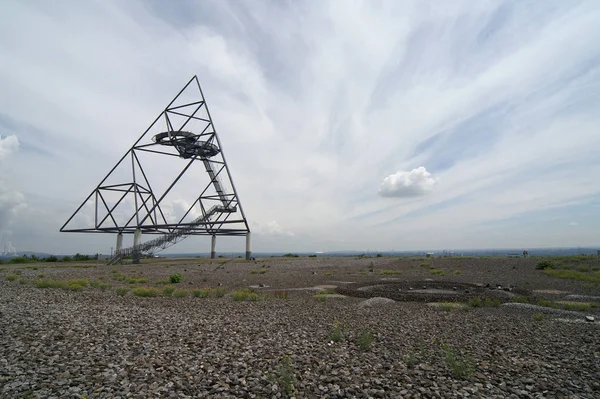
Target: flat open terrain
[[88, 333]]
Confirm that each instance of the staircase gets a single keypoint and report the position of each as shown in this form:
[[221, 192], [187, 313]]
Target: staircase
[[169, 239]]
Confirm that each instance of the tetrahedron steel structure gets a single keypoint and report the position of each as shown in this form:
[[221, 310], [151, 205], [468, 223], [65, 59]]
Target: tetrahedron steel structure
[[174, 182]]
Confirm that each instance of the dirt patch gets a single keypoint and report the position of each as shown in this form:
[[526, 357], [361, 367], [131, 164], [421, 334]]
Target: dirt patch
[[427, 291]]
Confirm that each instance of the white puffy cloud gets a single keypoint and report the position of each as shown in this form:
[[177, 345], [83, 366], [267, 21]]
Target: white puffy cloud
[[8, 145], [408, 183]]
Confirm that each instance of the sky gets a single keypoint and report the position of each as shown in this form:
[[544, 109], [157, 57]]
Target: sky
[[347, 125]]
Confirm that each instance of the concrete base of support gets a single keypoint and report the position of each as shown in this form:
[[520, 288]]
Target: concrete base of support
[[213, 247], [137, 240], [248, 246]]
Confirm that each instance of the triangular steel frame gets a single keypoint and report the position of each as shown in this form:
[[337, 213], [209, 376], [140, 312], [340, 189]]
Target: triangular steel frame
[[225, 218]]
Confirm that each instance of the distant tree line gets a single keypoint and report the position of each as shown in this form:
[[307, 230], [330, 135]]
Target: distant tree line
[[52, 258]]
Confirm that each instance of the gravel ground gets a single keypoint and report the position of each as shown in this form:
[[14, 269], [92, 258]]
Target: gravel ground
[[56, 343]]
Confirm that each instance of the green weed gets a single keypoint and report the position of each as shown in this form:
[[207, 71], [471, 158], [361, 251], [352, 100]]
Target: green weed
[[280, 294], [573, 274], [364, 340], [245, 295], [338, 331], [180, 293], [460, 366]]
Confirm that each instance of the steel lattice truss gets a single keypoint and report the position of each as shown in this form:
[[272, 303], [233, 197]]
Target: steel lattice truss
[[180, 150]]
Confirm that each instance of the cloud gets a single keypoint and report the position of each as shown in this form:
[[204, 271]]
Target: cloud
[[412, 183], [315, 104], [8, 145], [573, 224], [11, 201], [271, 228]]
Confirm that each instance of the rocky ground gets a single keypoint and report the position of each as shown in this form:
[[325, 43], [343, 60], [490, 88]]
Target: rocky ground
[[93, 343]]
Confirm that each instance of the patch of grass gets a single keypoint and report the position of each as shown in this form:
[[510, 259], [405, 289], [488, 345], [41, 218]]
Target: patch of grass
[[49, 284], [475, 302], [245, 295], [546, 303], [136, 280], [122, 291], [180, 293], [460, 366], [290, 256], [425, 264], [520, 299], [99, 284], [168, 291], [328, 274], [280, 294], [18, 260], [22, 281], [11, 277], [584, 268], [537, 316], [259, 271], [119, 277], [364, 340], [438, 272], [320, 297], [389, 272], [492, 302], [209, 292], [285, 375], [480, 303], [145, 292], [446, 307], [578, 306], [458, 272], [338, 331], [202, 293], [175, 278], [545, 264], [573, 274]]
